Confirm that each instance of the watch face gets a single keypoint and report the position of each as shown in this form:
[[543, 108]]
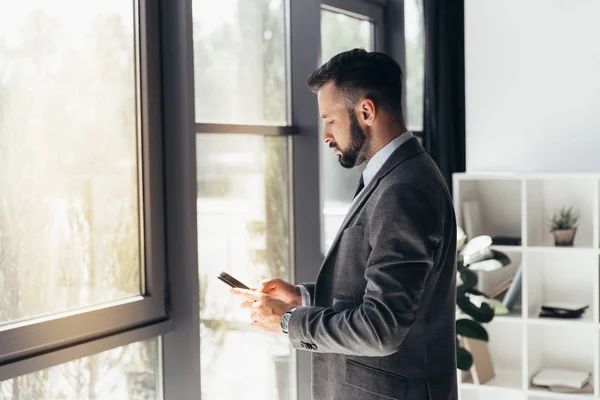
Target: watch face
[[284, 321]]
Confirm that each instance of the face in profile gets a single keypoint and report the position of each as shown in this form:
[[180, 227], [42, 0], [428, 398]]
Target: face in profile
[[342, 131]]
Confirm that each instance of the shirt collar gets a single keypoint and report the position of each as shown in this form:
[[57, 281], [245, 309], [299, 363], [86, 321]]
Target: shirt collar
[[377, 161]]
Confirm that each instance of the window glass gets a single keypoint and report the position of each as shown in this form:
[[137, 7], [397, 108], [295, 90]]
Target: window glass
[[239, 57], [414, 32], [339, 33], [243, 229], [69, 205], [128, 372]]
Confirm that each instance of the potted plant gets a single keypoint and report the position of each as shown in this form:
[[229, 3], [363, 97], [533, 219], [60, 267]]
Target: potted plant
[[479, 313], [563, 226]]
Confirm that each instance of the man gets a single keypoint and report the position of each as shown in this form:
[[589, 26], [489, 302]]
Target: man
[[380, 316]]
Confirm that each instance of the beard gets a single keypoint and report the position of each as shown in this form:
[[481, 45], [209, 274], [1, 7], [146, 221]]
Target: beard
[[355, 153]]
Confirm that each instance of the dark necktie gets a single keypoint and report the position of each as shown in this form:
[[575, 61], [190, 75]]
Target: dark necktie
[[361, 185]]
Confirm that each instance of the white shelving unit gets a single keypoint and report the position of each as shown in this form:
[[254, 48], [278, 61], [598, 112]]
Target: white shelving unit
[[521, 343]]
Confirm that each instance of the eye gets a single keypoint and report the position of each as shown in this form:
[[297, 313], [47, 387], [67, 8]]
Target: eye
[[331, 122]]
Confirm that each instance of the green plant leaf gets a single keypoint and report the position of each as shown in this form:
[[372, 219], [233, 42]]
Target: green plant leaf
[[485, 313], [464, 359], [565, 218], [471, 329], [469, 279]]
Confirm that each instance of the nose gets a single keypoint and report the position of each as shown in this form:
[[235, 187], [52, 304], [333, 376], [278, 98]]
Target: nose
[[326, 137]]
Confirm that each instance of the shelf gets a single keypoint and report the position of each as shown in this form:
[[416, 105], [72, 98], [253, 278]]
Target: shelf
[[547, 394], [511, 318], [522, 343], [506, 249], [561, 277], [561, 347], [546, 196], [506, 348], [505, 379], [586, 319], [479, 213], [553, 249]]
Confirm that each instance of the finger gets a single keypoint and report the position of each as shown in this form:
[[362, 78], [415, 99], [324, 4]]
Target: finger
[[248, 304], [256, 317], [249, 294]]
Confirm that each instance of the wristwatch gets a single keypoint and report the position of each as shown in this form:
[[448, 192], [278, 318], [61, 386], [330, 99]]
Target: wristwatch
[[285, 319]]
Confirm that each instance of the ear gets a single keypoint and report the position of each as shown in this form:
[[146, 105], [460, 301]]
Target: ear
[[366, 111]]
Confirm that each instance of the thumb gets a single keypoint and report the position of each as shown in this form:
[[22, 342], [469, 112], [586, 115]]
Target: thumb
[[267, 284]]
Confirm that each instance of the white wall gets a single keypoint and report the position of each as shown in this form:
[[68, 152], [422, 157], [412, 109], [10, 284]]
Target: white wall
[[532, 85]]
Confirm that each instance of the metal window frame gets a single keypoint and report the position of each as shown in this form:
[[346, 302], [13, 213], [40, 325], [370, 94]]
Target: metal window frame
[[262, 130], [305, 44], [42, 342], [181, 345]]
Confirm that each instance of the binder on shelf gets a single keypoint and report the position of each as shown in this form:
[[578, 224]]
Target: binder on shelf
[[514, 291]]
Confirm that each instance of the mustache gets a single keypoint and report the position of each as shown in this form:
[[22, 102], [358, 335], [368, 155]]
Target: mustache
[[334, 146]]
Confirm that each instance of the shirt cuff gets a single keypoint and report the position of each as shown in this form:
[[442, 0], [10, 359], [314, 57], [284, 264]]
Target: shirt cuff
[[305, 295]]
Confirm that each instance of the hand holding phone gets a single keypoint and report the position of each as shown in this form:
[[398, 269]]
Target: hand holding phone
[[231, 281]]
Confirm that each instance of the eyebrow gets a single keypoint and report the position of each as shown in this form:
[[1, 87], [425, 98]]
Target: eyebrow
[[323, 116]]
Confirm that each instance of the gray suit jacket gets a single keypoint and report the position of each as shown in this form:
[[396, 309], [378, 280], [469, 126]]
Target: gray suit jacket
[[382, 320]]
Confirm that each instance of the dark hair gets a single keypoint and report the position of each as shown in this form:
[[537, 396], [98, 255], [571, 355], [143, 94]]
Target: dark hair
[[359, 74]]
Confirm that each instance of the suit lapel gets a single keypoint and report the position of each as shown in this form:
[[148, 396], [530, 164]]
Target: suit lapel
[[411, 148]]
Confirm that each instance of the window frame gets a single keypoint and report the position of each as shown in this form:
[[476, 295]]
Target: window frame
[[174, 354], [41, 342]]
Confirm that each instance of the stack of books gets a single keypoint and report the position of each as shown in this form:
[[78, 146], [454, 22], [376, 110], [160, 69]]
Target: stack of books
[[564, 381], [563, 310]]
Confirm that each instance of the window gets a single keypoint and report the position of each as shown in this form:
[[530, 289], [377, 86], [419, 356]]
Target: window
[[414, 31], [128, 372], [78, 261], [239, 56], [339, 32], [243, 229], [69, 219], [243, 190]]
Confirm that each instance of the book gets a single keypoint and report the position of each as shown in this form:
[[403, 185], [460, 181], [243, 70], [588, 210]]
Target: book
[[472, 218], [500, 289], [563, 310], [561, 378], [506, 240], [564, 307], [482, 369]]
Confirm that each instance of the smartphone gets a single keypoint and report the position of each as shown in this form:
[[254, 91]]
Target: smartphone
[[231, 281]]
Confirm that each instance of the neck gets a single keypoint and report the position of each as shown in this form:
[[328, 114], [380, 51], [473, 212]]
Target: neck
[[383, 137]]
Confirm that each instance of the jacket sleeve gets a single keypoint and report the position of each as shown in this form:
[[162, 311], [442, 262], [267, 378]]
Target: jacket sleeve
[[404, 233]]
